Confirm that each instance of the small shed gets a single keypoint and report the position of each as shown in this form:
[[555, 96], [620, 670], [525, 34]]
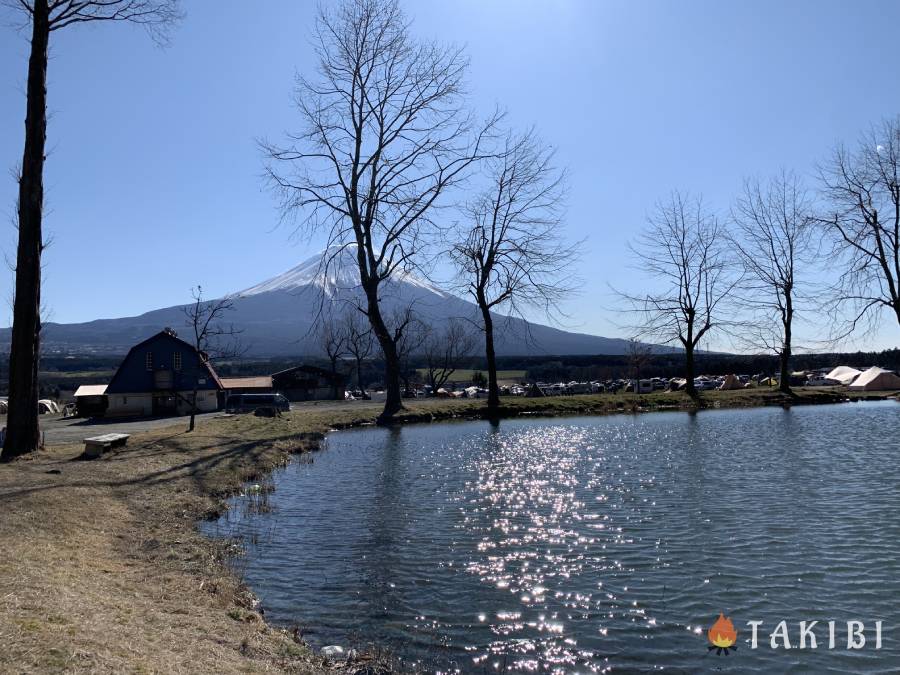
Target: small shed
[[247, 385], [91, 400], [309, 383]]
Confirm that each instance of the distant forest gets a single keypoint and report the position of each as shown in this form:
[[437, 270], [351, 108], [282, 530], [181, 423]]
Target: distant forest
[[59, 376]]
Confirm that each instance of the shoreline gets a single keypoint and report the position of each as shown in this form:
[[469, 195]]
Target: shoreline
[[103, 565]]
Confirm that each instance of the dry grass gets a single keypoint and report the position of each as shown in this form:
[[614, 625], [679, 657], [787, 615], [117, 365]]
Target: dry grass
[[102, 568]]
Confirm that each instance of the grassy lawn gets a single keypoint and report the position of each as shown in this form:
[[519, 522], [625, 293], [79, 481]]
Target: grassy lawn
[[76, 374], [102, 567]]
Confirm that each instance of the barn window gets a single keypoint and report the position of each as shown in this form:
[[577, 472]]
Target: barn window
[[149, 360], [176, 359]]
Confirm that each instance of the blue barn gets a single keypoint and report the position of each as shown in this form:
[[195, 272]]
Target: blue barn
[[159, 376]]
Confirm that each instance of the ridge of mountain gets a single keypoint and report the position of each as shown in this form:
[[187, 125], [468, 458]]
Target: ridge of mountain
[[276, 315]]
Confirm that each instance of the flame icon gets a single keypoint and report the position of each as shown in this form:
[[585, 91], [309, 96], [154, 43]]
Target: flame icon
[[722, 635]]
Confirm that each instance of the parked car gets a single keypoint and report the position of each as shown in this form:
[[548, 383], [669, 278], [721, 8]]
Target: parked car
[[821, 382], [246, 403]]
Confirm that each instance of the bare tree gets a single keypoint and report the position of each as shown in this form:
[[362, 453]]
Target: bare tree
[[408, 331], [638, 356], [359, 343], [444, 350], [332, 337], [681, 250], [45, 17], [511, 255], [212, 338], [772, 237], [384, 138], [863, 188]]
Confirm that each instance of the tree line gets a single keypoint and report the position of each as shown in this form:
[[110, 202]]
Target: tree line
[[782, 250]]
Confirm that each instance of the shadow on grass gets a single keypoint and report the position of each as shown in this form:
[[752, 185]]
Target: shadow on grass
[[214, 473]]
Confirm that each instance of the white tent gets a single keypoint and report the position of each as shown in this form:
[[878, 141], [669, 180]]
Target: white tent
[[844, 374], [876, 379], [46, 406], [731, 382]]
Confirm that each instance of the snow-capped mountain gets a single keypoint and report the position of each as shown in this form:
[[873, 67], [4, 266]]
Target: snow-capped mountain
[[276, 315], [334, 271]]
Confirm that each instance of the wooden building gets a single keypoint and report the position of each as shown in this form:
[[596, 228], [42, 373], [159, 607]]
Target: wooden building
[[260, 384], [308, 383], [91, 400], [159, 377]]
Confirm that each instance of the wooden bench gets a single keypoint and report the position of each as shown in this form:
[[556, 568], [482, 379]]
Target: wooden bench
[[97, 445]]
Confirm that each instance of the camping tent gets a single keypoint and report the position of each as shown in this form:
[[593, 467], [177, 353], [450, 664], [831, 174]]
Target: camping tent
[[768, 382], [844, 374], [677, 384], [876, 379], [731, 382], [46, 406]]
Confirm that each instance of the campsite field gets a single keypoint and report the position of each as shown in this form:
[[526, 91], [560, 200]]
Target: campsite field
[[102, 567], [466, 374]]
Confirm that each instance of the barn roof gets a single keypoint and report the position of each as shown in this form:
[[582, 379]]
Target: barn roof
[[170, 334], [261, 382], [309, 370], [303, 369], [90, 390]]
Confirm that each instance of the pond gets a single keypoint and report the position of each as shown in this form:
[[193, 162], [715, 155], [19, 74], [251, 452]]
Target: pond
[[593, 544]]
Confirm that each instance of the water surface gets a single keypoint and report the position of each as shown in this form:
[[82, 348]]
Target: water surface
[[601, 544]]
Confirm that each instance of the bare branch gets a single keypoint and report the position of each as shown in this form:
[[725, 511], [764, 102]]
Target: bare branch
[[444, 350], [212, 337], [863, 226]]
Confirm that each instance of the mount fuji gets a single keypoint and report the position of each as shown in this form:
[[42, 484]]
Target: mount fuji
[[276, 315]]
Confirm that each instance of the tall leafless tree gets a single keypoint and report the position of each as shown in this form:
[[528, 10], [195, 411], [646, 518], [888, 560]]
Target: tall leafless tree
[[511, 255], [443, 350], [385, 137], [772, 237], [45, 17], [359, 342], [681, 251], [332, 336], [863, 191], [212, 337]]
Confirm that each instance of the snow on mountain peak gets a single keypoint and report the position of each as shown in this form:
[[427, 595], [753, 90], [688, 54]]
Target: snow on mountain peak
[[333, 269]]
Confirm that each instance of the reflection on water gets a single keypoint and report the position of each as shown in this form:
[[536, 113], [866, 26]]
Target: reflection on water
[[592, 544]]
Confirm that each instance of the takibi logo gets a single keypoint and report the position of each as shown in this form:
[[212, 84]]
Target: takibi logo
[[810, 635], [722, 635]]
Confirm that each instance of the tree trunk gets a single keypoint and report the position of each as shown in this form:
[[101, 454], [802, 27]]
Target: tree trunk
[[393, 402], [491, 357], [22, 432], [334, 381], [784, 382], [359, 377], [689, 369], [193, 411]]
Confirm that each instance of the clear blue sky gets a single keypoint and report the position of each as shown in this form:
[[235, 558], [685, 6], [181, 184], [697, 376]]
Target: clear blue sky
[[153, 181]]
